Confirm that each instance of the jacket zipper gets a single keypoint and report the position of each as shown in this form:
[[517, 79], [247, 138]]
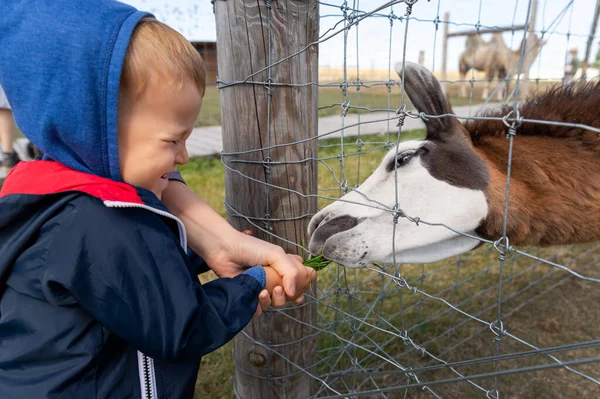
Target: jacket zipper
[[182, 232], [146, 363], [147, 376]]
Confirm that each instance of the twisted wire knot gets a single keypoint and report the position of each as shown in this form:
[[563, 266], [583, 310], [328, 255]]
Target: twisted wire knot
[[269, 84], [344, 186], [344, 8], [345, 107], [344, 88], [492, 394], [497, 327], [267, 222], [402, 283], [502, 245], [512, 127], [389, 85], [391, 17], [267, 163], [401, 112], [397, 212]]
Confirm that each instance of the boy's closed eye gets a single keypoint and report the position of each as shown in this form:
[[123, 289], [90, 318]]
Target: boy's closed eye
[[181, 137]]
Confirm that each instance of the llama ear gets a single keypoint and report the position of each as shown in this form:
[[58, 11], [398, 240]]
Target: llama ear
[[426, 94]]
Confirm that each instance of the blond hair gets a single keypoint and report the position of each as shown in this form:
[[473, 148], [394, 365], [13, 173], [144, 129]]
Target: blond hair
[[156, 50]]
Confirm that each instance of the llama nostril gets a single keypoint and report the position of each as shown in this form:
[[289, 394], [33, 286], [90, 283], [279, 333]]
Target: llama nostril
[[317, 221], [323, 227], [330, 226], [314, 223]]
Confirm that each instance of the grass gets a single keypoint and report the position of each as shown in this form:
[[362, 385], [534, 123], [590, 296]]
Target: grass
[[559, 316]]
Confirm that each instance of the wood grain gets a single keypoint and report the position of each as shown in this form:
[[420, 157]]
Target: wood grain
[[243, 49]]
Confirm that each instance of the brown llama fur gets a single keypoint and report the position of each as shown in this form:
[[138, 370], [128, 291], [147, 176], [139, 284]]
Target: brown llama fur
[[555, 177]]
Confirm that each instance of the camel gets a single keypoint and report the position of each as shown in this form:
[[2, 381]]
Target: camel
[[457, 177], [495, 59]]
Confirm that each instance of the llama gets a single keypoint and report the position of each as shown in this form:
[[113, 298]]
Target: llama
[[457, 176], [495, 59]]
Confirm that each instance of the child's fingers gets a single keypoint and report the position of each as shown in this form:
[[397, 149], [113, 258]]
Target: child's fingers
[[264, 299], [278, 297], [264, 302], [299, 300]]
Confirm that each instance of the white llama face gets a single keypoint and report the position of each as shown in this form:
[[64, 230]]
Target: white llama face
[[359, 228], [440, 180]]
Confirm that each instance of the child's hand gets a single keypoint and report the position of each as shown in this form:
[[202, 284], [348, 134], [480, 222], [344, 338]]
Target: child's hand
[[266, 300], [273, 294], [291, 268], [304, 278]]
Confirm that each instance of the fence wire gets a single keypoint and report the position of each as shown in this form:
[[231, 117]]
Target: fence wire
[[424, 330]]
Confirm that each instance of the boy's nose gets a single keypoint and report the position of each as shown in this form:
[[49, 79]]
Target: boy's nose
[[182, 156]]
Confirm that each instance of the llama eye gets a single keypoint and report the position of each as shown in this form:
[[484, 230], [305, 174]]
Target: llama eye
[[403, 159]]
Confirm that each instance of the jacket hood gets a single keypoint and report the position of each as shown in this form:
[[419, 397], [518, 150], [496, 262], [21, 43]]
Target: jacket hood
[[60, 68]]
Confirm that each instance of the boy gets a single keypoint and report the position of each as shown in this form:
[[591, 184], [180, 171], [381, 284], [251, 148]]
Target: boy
[[98, 297], [8, 130]]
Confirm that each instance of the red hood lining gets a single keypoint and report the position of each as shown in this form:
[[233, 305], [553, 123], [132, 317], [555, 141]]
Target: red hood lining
[[50, 177]]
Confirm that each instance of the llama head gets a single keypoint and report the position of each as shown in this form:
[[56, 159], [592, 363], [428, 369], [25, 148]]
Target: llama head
[[440, 180]]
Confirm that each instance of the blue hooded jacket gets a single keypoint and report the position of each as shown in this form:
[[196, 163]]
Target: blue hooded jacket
[[99, 296]]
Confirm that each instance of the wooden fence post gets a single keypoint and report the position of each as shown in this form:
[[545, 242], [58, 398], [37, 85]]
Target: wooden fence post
[[249, 35]]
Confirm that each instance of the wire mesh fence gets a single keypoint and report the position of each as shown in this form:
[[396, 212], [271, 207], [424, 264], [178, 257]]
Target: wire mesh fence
[[497, 321]]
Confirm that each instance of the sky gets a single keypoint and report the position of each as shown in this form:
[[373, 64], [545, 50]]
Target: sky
[[567, 25]]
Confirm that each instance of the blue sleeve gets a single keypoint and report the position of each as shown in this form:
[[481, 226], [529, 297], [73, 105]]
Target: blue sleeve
[[127, 270], [259, 274]]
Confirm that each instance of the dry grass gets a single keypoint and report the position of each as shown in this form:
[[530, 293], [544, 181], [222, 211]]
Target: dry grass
[[376, 97], [566, 313], [368, 75], [561, 315]]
